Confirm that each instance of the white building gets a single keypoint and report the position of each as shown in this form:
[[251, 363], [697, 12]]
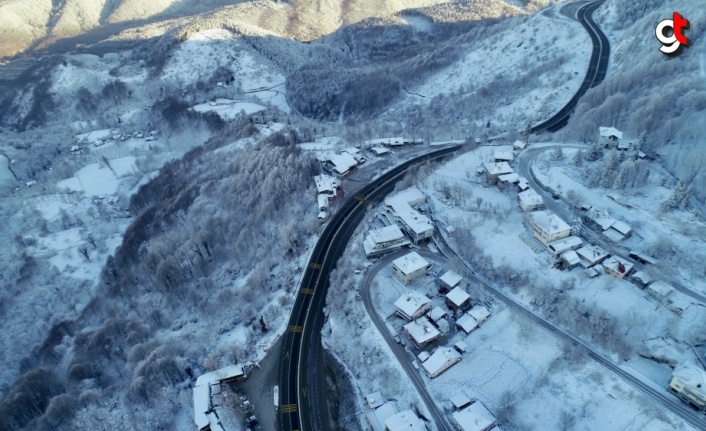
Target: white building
[[570, 259], [421, 332], [565, 244], [374, 400], [450, 280], [436, 314], [357, 155], [459, 401], [689, 383], [409, 267], [205, 416], [399, 208], [322, 201], [609, 136], [412, 304], [404, 421], [591, 255], [522, 184], [548, 227], [380, 414], [441, 360], [530, 200], [467, 323], [660, 290], [326, 185], [519, 145], [480, 313], [341, 164], [503, 156], [457, 299], [617, 267], [380, 151], [379, 241], [473, 418], [493, 170], [613, 229]]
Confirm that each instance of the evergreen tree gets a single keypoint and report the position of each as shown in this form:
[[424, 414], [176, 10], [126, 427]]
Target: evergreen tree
[[557, 154], [578, 158], [595, 152], [609, 171]]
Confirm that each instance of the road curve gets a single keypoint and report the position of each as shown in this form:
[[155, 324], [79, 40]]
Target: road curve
[[597, 68], [303, 402]]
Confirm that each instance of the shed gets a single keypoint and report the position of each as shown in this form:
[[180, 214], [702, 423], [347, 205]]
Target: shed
[[450, 280], [457, 299], [459, 401]]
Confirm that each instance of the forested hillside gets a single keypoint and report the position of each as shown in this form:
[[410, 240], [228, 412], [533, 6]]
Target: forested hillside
[[191, 267], [657, 100]]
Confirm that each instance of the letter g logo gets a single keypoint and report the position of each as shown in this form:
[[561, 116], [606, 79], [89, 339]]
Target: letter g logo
[[670, 33]]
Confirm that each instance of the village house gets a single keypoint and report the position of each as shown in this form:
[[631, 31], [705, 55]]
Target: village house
[[383, 240], [409, 267], [530, 200], [565, 244], [547, 226], [591, 255], [381, 410], [421, 332], [640, 278], [399, 209], [609, 137], [341, 165], [493, 170], [207, 386], [457, 299], [617, 267], [570, 259], [441, 360], [450, 280], [479, 313], [474, 417], [355, 153], [507, 179], [326, 185], [380, 151], [660, 290], [412, 304], [459, 401], [519, 145], [436, 314], [503, 156], [466, 323], [611, 228], [689, 383], [522, 184], [404, 421]]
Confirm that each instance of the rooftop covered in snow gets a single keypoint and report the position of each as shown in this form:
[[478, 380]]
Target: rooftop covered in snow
[[473, 418], [410, 263]]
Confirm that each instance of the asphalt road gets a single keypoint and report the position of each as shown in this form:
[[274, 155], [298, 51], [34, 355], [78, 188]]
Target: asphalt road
[[569, 214], [597, 67], [303, 401], [657, 394], [397, 349]]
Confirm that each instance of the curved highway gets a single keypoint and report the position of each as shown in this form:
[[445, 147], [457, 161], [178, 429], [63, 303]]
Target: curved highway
[[303, 400], [597, 68]]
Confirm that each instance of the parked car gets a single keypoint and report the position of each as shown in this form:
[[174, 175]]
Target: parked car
[[397, 339]]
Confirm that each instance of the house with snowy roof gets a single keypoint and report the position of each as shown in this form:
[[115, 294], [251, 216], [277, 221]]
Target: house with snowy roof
[[493, 170], [450, 280], [405, 420], [409, 267], [503, 156], [380, 413], [441, 360], [609, 137], [457, 299], [617, 267], [474, 417], [412, 305], [689, 383], [530, 200], [421, 332], [383, 240], [565, 244], [611, 228], [547, 226], [341, 165], [591, 255], [399, 208]]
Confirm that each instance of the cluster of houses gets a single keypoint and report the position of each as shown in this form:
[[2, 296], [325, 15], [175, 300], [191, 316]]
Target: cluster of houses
[[326, 190], [405, 224], [343, 163], [105, 136], [383, 415], [467, 415], [426, 323], [612, 138]]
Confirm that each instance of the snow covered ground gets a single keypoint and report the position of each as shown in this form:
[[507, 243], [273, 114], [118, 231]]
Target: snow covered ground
[[228, 109]]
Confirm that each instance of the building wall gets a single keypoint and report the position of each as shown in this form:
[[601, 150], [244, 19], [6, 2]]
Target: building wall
[[447, 365], [529, 208], [545, 238], [422, 345], [687, 393]]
